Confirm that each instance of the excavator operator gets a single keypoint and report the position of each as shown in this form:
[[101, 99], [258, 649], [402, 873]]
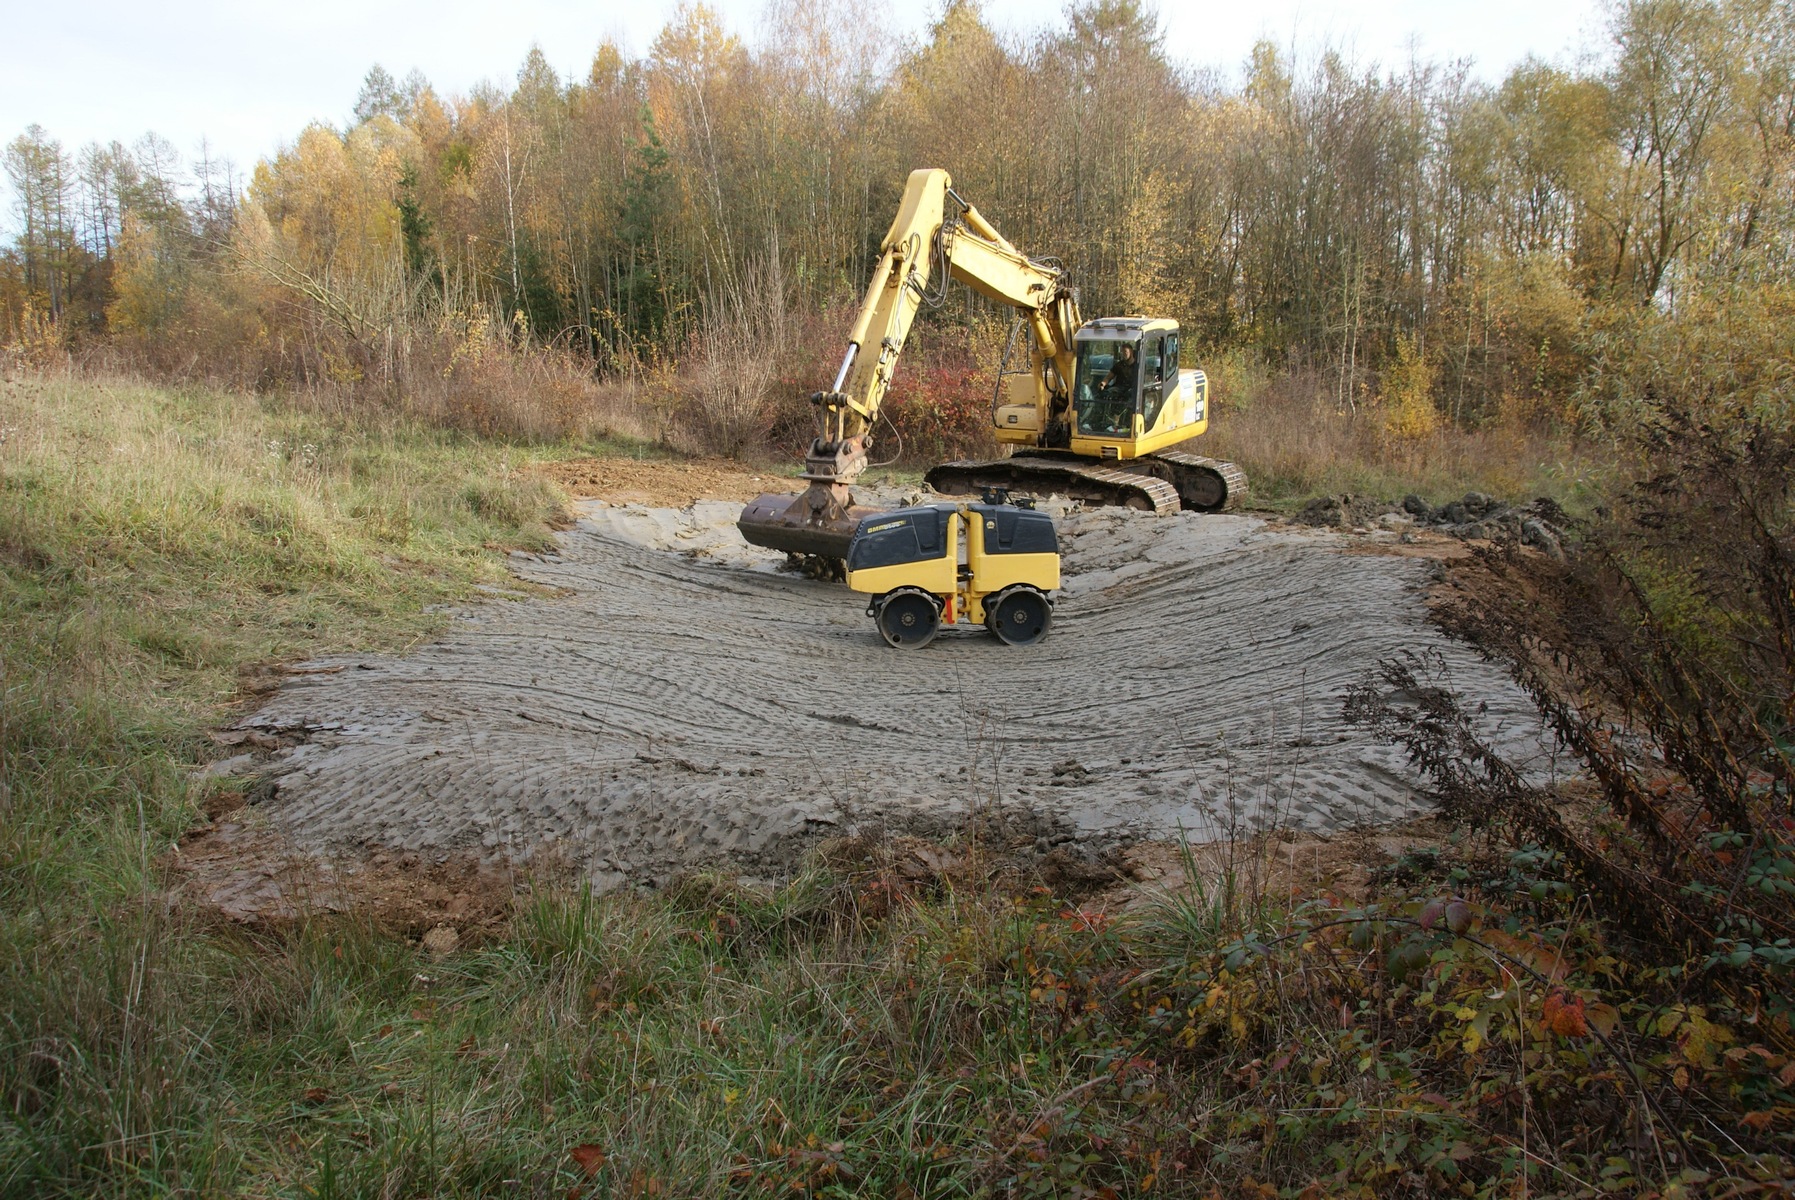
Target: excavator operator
[[1116, 391], [1119, 383]]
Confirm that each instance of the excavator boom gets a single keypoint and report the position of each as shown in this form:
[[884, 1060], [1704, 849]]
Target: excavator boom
[[934, 230], [1100, 412]]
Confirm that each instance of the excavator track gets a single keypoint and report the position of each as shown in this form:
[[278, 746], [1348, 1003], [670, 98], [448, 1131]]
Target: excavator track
[[1164, 482], [1074, 478], [1204, 484]]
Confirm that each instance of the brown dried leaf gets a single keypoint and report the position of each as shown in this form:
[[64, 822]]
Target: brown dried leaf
[[589, 1157]]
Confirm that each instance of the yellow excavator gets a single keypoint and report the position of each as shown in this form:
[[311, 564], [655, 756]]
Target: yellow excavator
[[1098, 411]]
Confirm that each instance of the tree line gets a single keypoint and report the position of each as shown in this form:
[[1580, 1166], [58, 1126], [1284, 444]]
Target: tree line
[[1571, 241]]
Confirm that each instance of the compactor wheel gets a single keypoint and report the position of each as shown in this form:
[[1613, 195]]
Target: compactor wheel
[[1020, 617], [908, 619]]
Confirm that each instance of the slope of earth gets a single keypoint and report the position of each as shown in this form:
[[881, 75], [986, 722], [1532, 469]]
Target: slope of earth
[[662, 482], [678, 701]]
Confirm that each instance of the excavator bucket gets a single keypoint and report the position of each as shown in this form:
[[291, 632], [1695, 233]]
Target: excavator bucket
[[814, 523]]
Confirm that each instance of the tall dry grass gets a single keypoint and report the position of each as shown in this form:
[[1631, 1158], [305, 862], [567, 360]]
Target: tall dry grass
[[738, 385], [1296, 438]]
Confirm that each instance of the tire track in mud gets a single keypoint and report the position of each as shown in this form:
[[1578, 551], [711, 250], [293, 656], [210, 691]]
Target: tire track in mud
[[679, 702]]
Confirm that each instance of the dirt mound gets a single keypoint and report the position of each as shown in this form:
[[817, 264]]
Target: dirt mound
[[1474, 517], [681, 702], [663, 484]]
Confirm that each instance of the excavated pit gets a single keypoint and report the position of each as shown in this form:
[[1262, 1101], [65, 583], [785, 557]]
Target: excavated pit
[[679, 702]]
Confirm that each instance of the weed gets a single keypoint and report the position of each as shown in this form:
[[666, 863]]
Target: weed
[[1295, 441], [157, 541]]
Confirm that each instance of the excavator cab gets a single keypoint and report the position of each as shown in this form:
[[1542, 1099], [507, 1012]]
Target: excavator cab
[[1129, 396], [944, 564]]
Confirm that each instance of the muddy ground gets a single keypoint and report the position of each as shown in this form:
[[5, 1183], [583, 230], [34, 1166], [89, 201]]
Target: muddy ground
[[670, 699]]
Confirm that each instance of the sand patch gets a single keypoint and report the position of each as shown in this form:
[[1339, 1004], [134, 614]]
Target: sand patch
[[680, 702]]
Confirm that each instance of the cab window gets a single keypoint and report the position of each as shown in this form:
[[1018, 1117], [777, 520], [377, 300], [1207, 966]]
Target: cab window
[[1108, 387], [1154, 383]]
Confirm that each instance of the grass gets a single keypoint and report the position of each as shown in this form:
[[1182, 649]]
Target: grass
[[153, 543], [823, 1040], [1296, 442], [157, 539], [858, 1031]]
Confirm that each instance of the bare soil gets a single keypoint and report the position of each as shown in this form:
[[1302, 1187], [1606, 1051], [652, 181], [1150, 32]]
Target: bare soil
[[676, 701], [246, 869], [661, 484], [1280, 866]]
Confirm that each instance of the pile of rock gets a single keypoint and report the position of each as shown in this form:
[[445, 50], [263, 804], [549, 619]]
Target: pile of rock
[[1475, 516]]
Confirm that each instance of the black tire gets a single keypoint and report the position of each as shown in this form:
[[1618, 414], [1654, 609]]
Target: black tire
[[908, 620], [1021, 617]]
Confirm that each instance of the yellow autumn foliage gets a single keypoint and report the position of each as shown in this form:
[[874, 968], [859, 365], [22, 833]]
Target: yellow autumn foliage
[[325, 208], [1407, 394]]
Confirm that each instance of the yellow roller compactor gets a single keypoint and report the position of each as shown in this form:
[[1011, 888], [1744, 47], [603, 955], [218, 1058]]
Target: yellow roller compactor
[[1099, 411], [942, 564]]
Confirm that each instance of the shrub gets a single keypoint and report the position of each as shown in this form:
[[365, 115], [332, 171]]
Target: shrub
[[1661, 652]]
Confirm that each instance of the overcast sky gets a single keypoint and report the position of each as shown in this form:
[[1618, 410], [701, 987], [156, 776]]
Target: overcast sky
[[248, 75]]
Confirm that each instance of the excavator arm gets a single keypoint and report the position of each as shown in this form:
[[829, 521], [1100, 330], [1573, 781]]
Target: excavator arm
[[934, 230]]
